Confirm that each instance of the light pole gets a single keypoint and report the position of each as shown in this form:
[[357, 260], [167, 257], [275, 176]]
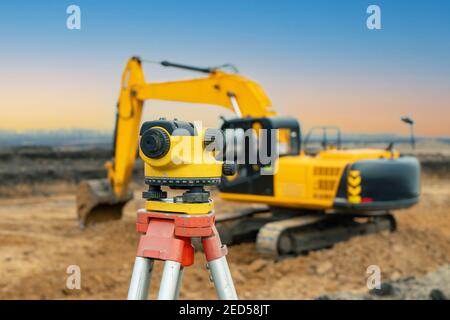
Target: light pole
[[409, 121]]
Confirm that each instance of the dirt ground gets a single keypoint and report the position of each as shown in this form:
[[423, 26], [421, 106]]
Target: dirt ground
[[39, 239]]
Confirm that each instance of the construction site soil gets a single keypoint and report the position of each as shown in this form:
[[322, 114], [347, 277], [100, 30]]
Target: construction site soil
[[40, 239]]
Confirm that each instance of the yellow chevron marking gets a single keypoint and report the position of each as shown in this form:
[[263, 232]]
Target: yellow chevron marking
[[354, 173], [354, 199], [354, 182], [354, 191], [354, 186]]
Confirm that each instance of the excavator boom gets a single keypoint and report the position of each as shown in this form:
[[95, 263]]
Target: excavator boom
[[103, 199]]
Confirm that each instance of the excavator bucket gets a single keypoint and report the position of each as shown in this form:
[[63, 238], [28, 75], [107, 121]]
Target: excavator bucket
[[97, 202]]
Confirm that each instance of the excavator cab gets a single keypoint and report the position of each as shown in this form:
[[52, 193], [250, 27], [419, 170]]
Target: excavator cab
[[255, 144]]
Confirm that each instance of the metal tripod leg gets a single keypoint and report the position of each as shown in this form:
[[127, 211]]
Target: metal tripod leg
[[222, 279], [180, 280], [140, 279], [170, 281]]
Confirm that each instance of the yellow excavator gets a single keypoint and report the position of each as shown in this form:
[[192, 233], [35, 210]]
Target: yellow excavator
[[310, 197]]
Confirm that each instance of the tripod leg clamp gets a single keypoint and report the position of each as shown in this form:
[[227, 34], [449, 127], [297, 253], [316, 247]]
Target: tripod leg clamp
[[160, 242], [168, 236], [213, 247]]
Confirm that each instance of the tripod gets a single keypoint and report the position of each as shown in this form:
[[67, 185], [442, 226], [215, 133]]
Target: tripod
[[167, 236]]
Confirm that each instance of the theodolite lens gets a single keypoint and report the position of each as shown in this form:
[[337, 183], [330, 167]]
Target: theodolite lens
[[155, 143]]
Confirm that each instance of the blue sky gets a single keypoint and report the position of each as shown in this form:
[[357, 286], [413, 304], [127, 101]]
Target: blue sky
[[316, 59]]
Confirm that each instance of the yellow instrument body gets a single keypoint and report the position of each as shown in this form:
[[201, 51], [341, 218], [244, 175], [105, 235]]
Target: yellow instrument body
[[182, 160]]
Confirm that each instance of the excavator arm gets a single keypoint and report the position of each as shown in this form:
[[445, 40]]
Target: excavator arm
[[99, 200]]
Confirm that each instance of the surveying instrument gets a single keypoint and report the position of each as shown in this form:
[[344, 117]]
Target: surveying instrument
[[177, 156]]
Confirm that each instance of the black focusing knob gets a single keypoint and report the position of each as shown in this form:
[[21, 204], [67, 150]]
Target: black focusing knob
[[228, 168], [155, 143]]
